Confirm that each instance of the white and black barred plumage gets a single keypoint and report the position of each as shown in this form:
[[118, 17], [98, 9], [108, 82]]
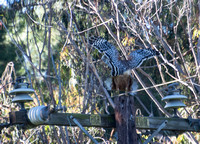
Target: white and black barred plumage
[[111, 56]]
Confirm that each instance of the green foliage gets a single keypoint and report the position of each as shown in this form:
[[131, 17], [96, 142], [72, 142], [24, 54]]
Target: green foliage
[[7, 48]]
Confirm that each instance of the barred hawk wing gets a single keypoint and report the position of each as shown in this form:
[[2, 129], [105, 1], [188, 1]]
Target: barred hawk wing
[[111, 56]]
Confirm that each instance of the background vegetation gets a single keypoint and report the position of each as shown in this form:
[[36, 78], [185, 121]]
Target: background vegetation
[[47, 41]]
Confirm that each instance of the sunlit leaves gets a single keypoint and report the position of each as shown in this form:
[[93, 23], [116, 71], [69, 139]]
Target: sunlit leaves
[[128, 41], [196, 33], [39, 10]]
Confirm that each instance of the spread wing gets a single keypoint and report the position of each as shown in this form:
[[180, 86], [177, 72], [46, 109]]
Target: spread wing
[[111, 56], [137, 57], [109, 51]]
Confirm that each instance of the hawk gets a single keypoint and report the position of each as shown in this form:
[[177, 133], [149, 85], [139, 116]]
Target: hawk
[[111, 56]]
